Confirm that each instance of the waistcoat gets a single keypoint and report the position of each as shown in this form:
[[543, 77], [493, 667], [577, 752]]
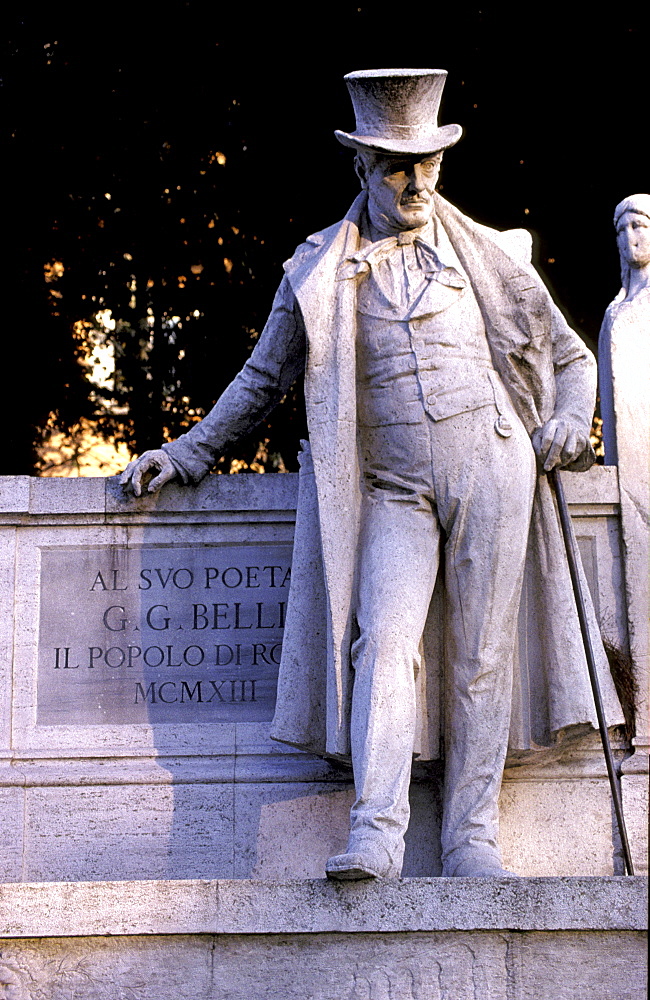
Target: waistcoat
[[421, 340]]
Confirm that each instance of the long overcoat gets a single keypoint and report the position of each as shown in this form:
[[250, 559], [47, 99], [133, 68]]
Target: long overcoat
[[546, 368]]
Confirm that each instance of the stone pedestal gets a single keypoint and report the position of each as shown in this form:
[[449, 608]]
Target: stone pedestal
[[106, 795], [412, 939], [99, 783]]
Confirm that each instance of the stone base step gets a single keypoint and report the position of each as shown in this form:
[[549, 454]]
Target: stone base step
[[408, 939]]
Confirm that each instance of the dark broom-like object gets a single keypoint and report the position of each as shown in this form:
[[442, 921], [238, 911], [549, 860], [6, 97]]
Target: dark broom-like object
[[572, 558]]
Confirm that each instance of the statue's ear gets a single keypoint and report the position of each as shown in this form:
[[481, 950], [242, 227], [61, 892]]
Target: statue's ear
[[361, 171]]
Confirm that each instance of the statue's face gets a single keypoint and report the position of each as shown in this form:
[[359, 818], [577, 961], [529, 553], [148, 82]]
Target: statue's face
[[400, 189], [633, 239]]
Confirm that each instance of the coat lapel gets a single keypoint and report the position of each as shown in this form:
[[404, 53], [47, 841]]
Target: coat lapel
[[517, 311], [328, 302]]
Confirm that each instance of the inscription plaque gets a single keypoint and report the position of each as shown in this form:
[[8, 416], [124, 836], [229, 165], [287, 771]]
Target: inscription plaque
[[161, 633]]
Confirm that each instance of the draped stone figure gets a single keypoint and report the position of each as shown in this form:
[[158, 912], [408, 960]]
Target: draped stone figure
[[441, 383], [624, 340], [624, 377]]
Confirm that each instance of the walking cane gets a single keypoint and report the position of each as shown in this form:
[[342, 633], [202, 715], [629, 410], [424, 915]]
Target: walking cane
[[572, 558]]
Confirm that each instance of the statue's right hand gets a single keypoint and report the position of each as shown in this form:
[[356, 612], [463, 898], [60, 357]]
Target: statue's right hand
[[139, 467]]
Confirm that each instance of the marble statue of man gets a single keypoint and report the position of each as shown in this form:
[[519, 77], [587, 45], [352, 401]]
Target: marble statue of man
[[436, 369]]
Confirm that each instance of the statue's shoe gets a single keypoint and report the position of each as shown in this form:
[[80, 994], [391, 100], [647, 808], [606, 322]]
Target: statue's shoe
[[358, 865]]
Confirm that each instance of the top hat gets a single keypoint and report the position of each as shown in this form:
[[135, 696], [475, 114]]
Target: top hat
[[396, 111]]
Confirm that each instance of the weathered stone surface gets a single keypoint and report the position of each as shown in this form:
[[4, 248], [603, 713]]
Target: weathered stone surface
[[14, 494], [634, 792], [109, 969], [214, 493], [128, 832], [598, 486], [241, 906], [12, 802], [286, 831], [567, 830], [426, 966], [428, 939], [7, 592], [47, 497]]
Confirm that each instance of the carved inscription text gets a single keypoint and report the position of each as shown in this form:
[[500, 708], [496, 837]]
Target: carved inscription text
[[161, 633]]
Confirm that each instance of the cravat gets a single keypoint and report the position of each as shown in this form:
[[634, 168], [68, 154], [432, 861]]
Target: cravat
[[431, 265]]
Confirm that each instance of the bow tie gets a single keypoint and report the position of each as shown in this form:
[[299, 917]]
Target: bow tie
[[431, 265]]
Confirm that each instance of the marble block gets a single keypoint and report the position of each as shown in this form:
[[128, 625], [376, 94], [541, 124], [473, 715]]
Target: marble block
[[412, 939]]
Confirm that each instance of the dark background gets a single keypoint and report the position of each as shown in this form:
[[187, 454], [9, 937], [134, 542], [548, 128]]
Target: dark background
[[136, 101]]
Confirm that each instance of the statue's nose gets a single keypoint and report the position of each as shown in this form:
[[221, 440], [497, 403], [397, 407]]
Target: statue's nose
[[416, 180]]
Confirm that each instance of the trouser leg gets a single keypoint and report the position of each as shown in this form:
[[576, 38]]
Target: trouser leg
[[481, 486], [397, 571], [484, 503]]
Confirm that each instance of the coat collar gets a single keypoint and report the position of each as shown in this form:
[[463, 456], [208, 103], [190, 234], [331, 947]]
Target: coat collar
[[335, 243]]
